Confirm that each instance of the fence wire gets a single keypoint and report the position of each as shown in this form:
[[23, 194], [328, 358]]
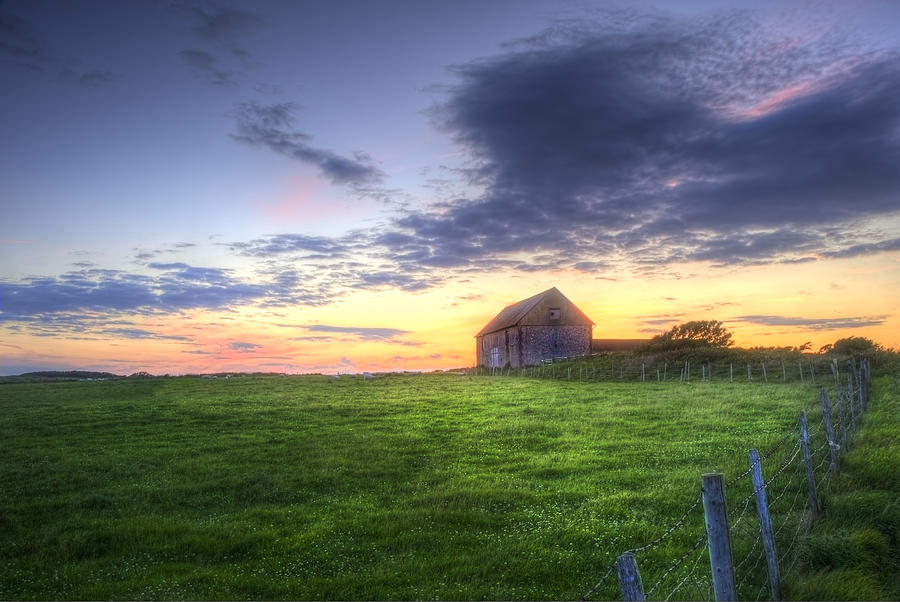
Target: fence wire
[[606, 575], [675, 526], [789, 509], [674, 566]]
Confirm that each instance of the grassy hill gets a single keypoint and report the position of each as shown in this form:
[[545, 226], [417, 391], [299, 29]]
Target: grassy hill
[[405, 486]]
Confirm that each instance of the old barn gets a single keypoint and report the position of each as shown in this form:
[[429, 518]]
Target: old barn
[[542, 327]]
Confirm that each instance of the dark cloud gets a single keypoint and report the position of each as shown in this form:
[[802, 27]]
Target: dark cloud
[[815, 323], [272, 126], [204, 66], [657, 140]]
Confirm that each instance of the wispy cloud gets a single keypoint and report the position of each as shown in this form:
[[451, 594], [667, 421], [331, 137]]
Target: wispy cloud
[[204, 65], [363, 333], [814, 323], [19, 42], [221, 25], [243, 347], [23, 44], [357, 334], [271, 126], [177, 287], [140, 333], [98, 77]]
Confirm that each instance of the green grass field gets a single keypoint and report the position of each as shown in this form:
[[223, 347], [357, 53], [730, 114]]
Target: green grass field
[[853, 551], [406, 486]]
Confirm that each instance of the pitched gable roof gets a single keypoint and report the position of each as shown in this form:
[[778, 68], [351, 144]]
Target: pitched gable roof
[[511, 314]]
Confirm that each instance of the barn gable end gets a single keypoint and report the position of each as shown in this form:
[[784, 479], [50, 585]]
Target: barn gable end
[[538, 328]]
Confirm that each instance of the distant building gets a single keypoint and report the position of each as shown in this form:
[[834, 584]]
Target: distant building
[[543, 327], [612, 345]]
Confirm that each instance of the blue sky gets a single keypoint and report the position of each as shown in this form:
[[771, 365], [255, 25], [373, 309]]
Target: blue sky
[[335, 162]]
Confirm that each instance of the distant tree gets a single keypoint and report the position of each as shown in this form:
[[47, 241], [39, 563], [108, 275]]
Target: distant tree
[[697, 334], [855, 346]]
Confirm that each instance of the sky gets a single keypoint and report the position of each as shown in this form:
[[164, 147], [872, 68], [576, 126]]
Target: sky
[[351, 186]]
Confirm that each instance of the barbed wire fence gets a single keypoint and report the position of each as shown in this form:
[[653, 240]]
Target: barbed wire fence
[[751, 366], [713, 553]]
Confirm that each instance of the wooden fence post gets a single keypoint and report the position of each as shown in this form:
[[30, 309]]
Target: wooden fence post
[[749, 377], [860, 387], [783, 372], [765, 524], [842, 419], [718, 536], [854, 373], [629, 578], [829, 430], [765, 376], [800, 365], [810, 474], [866, 382], [834, 371], [731, 372]]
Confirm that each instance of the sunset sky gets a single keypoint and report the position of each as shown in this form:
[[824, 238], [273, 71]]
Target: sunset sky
[[360, 186]]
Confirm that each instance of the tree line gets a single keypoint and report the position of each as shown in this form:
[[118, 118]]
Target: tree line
[[711, 335]]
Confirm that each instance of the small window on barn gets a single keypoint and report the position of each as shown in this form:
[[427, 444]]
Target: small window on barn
[[554, 314]]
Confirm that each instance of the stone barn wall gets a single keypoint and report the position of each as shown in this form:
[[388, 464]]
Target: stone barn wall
[[530, 345], [548, 342]]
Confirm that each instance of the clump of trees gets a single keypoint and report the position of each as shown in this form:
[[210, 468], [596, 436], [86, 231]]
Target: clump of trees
[[710, 341], [693, 335], [852, 347]]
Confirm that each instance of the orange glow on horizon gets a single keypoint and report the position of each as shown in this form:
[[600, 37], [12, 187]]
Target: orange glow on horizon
[[391, 331]]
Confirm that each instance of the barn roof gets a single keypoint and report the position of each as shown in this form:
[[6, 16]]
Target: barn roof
[[513, 314]]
